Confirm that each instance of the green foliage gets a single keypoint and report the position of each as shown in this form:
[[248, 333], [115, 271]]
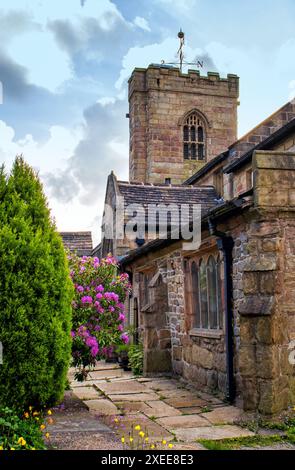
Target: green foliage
[[36, 294], [238, 442], [135, 355], [20, 433], [122, 348]]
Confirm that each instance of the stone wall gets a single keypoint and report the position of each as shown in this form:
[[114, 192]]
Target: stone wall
[[267, 305], [159, 99], [263, 130]]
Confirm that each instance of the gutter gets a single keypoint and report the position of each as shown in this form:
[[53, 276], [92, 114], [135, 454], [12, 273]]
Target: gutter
[[225, 245]]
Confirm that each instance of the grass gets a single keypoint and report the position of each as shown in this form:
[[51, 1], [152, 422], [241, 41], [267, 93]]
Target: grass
[[288, 426], [235, 443], [206, 409]]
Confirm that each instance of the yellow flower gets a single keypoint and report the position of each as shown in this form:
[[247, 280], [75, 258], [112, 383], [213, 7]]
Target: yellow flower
[[26, 415], [122, 440], [35, 413], [131, 439], [141, 434], [36, 418], [170, 446], [30, 408], [47, 435], [42, 427], [146, 439], [33, 448], [137, 427], [116, 420], [152, 446], [1, 447], [49, 412], [12, 448], [164, 442], [21, 441]]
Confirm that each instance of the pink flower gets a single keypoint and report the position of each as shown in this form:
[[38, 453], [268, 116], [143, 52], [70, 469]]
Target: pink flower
[[121, 317], [99, 288], [125, 338], [99, 296], [87, 299], [80, 289], [120, 327]]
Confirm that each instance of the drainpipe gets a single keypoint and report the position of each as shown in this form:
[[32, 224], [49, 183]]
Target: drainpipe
[[225, 245]]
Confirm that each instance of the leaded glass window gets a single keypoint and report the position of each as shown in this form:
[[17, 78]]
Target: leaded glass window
[[193, 138]]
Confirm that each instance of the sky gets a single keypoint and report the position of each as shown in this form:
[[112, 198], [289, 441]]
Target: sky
[[64, 67]]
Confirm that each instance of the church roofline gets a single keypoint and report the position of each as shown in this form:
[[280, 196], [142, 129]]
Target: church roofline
[[227, 209], [266, 144], [208, 166]]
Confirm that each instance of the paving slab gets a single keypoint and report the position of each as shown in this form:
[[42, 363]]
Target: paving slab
[[179, 393], [189, 421], [87, 393], [134, 397], [223, 415], [190, 446], [133, 407], [102, 407], [101, 374], [122, 387], [162, 385], [186, 402], [211, 432], [76, 384], [153, 430], [159, 408], [78, 422], [106, 365], [210, 398], [191, 410]]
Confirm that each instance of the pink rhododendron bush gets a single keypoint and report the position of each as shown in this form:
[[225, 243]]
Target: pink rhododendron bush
[[98, 310]]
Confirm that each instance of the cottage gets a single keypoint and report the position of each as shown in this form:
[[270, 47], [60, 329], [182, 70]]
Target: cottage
[[220, 314]]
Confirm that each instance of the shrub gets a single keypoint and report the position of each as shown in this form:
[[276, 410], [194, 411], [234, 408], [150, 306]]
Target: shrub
[[98, 310], [135, 355], [23, 433], [36, 295]]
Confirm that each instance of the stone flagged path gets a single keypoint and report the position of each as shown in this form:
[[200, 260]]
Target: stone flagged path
[[163, 407]]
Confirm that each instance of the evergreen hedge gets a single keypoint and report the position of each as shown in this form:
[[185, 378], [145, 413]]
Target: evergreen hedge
[[35, 295]]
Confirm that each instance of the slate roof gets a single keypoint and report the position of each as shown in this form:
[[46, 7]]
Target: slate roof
[[79, 242], [144, 194]]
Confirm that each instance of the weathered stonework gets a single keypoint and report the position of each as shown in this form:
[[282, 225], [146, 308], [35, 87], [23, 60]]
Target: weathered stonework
[[159, 99]]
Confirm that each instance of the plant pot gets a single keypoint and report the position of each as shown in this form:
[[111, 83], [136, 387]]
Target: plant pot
[[112, 359]]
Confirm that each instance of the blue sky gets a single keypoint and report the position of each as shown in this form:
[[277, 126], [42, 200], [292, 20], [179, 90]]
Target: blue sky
[[64, 67]]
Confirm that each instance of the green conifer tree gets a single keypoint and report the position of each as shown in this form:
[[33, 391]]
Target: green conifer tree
[[35, 295]]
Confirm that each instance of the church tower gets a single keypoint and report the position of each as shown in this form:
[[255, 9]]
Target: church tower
[[178, 121]]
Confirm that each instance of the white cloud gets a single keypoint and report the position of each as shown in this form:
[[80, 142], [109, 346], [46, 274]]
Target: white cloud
[[47, 57], [142, 23], [49, 156]]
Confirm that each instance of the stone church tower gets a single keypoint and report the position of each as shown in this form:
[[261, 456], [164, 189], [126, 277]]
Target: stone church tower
[[178, 122]]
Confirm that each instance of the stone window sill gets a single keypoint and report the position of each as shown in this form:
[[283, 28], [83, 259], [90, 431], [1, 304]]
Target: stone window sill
[[206, 333]]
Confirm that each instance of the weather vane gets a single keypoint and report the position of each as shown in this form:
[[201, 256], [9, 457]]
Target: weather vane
[[180, 54]]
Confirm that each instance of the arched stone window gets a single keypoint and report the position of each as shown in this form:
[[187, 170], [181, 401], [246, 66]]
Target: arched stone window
[[206, 292], [194, 145]]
